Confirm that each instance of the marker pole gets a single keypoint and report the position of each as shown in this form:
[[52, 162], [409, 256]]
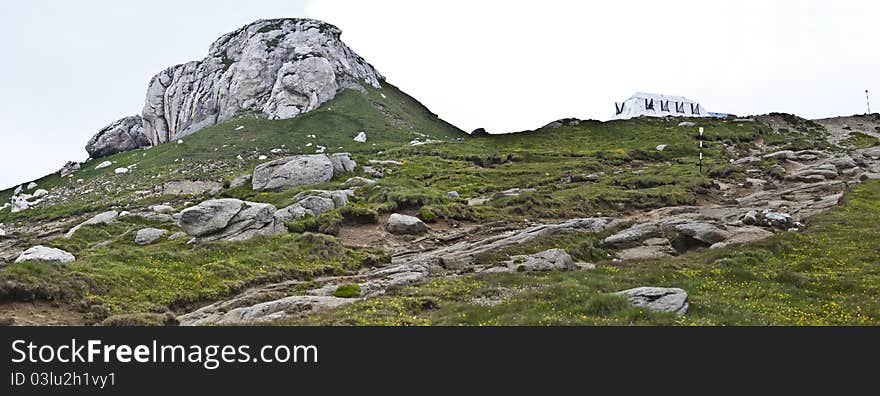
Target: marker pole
[[701, 151]]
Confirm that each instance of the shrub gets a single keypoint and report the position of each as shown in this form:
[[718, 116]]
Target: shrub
[[350, 290]]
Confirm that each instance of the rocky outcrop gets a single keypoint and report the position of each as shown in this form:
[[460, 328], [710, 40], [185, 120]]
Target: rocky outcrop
[[228, 219], [107, 217], [405, 225], [660, 299], [277, 68], [69, 168], [342, 163], [125, 134], [46, 254], [262, 312], [289, 172], [548, 260]]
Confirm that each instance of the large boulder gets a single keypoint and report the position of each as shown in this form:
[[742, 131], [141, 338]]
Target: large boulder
[[46, 254], [289, 172], [312, 203], [403, 224], [660, 299], [633, 236], [107, 217], [548, 260], [228, 219], [278, 68], [703, 232], [19, 204], [342, 163], [125, 134]]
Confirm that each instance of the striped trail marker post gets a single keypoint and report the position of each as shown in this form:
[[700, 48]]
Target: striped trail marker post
[[701, 151]]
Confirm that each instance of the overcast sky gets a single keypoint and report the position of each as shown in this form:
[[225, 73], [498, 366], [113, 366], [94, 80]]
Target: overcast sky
[[72, 67]]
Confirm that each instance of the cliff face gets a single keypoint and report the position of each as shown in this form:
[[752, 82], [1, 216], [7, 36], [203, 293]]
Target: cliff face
[[278, 68]]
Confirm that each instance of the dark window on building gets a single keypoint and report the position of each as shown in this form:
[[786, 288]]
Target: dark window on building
[[695, 108], [664, 105], [619, 107], [649, 104], [679, 107]]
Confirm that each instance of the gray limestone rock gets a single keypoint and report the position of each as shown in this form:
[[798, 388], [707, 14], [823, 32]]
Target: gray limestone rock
[[125, 134]]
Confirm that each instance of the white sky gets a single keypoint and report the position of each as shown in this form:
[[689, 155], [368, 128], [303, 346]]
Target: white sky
[[69, 68]]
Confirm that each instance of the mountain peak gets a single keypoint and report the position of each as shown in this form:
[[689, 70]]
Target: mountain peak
[[271, 68], [276, 68]]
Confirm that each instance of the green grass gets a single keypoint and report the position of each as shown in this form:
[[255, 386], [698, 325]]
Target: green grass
[[828, 275], [125, 278], [858, 140], [138, 284], [388, 116]]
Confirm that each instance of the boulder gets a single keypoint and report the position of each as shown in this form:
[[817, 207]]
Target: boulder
[[310, 203], [358, 181], [107, 217], [40, 193], [361, 137], [240, 181], [633, 236], [403, 224], [844, 163], [161, 208], [686, 124], [703, 232], [103, 165], [275, 68], [289, 172], [147, 236], [121, 171], [125, 134], [661, 147], [45, 254], [563, 122], [548, 260], [69, 168], [479, 132], [453, 195], [228, 219], [31, 185], [190, 187], [2, 232], [342, 163], [784, 155], [19, 204], [176, 236], [661, 299]]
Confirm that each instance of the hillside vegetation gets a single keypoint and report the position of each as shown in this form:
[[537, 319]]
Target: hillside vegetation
[[589, 169]]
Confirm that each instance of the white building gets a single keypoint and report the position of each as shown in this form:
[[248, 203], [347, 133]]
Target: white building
[[655, 105]]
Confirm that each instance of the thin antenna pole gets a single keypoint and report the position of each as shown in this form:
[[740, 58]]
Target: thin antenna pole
[[868, 99], [701, 151]]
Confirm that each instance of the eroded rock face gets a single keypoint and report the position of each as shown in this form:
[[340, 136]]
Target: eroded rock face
[[548, 260], [45, 254], [228, 219], [125, 134], [661, 299], [290, 172], [277, 68]]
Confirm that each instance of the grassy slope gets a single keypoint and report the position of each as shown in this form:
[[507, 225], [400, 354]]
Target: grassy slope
[[388, 116], [829, 275], [124, 278]]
